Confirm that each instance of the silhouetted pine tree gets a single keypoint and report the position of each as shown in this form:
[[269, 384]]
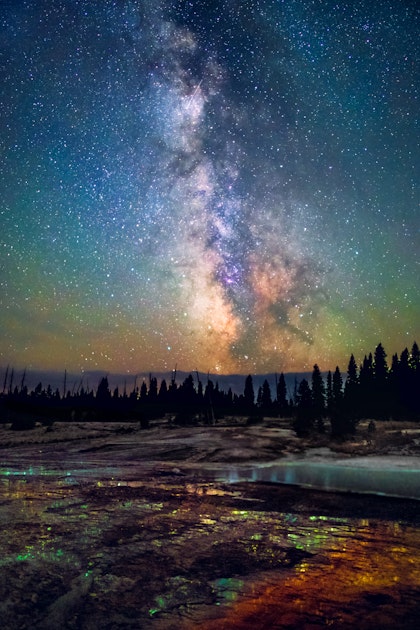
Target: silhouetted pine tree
[[163, 393], [200, 393], [318, 398], [209, 402], [186, 393], [415, 358], [413, 401], [380, 390], [303, 422], [343, 422], [398, 382], [152, 394], [329, 394], [143, 391], [249, 395], [366, 383], [351, 389], [218, 400], [282, 404], [103, 394], [229, 399], [185, 404], [264, 400], [337, 389]]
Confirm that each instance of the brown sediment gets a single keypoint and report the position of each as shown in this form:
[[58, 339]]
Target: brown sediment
[[114, 532]]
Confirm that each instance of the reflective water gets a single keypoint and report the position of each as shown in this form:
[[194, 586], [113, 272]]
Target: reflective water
[[88, 544], [357, 475]]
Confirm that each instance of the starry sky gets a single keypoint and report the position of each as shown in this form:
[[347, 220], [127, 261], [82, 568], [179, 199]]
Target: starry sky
[[230, 185]]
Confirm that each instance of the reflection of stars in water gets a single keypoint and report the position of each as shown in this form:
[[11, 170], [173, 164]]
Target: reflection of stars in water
[[234, 184]]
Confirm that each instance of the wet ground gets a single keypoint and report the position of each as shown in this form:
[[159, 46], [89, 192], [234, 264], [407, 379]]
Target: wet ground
[[114, 528]]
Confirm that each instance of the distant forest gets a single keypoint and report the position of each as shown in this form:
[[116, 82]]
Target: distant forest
[[373, 390]]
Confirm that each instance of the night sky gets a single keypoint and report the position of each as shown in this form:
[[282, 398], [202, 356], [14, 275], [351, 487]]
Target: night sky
[[230, 185]]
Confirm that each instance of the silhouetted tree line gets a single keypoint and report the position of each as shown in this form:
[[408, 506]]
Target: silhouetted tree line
[[372, 390], [190, 402]]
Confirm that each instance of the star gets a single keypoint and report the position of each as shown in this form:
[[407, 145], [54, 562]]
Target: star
[[217, 185]]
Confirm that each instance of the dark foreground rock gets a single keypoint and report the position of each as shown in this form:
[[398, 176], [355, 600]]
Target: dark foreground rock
[[114, 533]]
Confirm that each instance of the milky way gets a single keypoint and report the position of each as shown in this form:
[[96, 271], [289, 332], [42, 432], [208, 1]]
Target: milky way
[[229, 186]]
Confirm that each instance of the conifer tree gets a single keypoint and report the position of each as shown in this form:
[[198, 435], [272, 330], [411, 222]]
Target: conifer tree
[[249, 395], [366, 380], [303, 422], [282, 404], [259, 396], [103, 393], [415, 358], [337, 392], [380, 367], [143, 391], [352, 385], [343, 423], [318, 398], [395, 383], [163, 392], [403, 391], [329, 394], [266, 401], [187, 391], [380, 391], [413, 400], [153, 390], [209, 395]]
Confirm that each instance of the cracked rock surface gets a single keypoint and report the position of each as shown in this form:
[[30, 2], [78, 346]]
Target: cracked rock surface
[[109, 529]]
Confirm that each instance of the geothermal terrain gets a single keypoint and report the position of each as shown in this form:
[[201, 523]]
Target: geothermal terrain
[[107, 525]]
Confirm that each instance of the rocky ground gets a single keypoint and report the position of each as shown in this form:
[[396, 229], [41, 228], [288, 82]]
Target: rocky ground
[[231, 439], [108, 526]]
